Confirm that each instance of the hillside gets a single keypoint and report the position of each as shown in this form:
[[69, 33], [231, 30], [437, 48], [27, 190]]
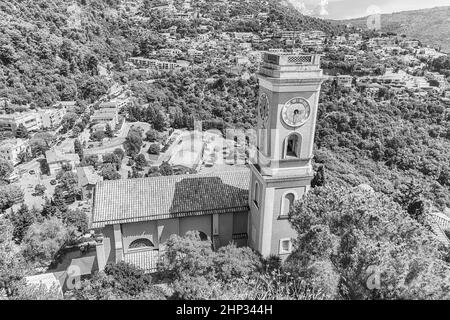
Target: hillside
[[50, 50], [430, 26]]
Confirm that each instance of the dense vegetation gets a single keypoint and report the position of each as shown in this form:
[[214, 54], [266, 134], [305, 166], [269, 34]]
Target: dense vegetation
[[46, 56], [45, 59], [386, 144], [209, 94]]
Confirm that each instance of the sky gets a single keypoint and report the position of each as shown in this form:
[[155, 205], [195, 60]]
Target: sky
[[347, 9]]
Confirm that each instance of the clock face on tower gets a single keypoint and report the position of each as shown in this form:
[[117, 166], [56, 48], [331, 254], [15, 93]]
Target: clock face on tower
[[295, 112], [263, 107]]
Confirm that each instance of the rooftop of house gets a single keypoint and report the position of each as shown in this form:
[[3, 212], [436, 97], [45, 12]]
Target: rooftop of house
[[154, 198], [106, 110], [9, 143], [66, 103], [87, 175], [104, 115], [55, 155]]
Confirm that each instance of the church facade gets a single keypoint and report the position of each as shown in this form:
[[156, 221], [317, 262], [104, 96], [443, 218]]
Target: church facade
[[133, 218]]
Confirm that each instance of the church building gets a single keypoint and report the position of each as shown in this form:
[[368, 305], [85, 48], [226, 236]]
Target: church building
[[133, 218]]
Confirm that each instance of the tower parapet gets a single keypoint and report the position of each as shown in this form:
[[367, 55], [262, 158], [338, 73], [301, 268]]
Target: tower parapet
[[290, 66]]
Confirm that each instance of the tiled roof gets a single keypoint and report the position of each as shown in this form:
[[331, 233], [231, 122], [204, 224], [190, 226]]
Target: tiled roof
[[440, 222], [155, 198]]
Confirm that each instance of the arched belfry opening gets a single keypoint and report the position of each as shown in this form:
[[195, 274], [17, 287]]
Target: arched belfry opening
[[292, 146]]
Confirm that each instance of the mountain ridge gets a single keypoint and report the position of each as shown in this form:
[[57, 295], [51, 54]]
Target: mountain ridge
[[431, 25]]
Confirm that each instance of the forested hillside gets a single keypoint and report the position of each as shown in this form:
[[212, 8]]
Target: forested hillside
[[401, 149], [50, 49], [427, 25], [45, 57]]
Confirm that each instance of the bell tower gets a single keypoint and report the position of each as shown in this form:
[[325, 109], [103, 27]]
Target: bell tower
[[281, 169]]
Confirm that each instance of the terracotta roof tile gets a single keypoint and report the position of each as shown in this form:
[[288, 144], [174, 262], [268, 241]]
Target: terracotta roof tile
[[132, 200]]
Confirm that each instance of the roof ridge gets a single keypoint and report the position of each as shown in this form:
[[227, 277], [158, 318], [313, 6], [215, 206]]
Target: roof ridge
[[210, 174]]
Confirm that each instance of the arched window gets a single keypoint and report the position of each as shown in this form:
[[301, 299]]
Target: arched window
[[292, 146], [256, 193], [141, 243], [287, 201]]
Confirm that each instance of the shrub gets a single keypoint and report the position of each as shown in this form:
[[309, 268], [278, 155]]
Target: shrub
[[130, 279], [77, 219], [154, 149]]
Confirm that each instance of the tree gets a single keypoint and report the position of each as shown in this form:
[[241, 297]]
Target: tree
[[21, 220], [24, 156], [152, 135], [22, 132], [319, 178], [26, 291], [154, 149], [165, 169], [50, 210], [109, 172], [76, 131], [133, 143], [186, 258], [6, 168], [77, 219], [140, 161], [58, 203], [105, 287], [91, 160], [12, 263], [40, 143], [232, 262], [130, 279], [78, 148], [98, 135], [119, 153], [347, 236], [153, 172], [39, 189], [444, 177], [44, 240], [68, 121], [44, 167], [160, 121], [10, 195], [113, 159], [108, 131], [197, 272], [68, 184]]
